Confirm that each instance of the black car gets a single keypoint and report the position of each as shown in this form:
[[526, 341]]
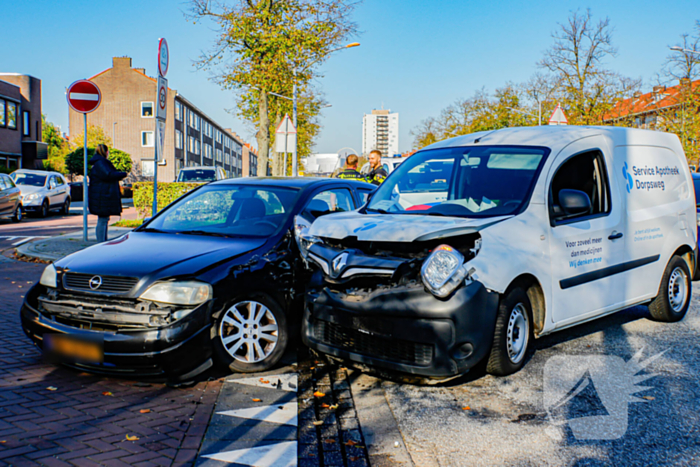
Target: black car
[[218, 273]]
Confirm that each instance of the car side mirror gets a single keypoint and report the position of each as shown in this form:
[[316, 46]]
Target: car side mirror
[[574, 202]]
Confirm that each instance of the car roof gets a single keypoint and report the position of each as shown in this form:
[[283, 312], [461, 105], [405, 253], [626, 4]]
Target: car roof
[[199, 167], [292, 182], [37, 172]]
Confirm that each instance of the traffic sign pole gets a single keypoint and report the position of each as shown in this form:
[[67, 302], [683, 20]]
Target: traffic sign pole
[[85, 177], [161, 99]]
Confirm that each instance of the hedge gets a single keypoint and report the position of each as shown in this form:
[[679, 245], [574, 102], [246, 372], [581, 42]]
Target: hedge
[[167, 193]]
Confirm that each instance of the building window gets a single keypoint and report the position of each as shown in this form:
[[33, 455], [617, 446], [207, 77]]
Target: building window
[[178, 139], [147, 109], [198, 147], [25, 123], [11, 115], [178, 111], [2, 112], [147, 139], [147, 168]]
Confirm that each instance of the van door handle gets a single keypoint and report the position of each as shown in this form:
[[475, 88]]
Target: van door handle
[[615, 235]]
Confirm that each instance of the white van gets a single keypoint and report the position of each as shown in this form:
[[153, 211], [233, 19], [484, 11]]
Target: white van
[[476, 245]]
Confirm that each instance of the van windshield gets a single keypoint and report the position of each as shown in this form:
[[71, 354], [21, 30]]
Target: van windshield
[[462, 182]]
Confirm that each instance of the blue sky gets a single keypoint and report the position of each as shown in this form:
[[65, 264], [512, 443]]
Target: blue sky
[[416, 57]]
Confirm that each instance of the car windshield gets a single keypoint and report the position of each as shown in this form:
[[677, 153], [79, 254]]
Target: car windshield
[[28, 179], [197, 175], [696, 185], [228, 210], [462, 182]]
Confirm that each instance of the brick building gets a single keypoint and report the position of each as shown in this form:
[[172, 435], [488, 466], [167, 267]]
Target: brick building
[[127, 115], [20, 122]]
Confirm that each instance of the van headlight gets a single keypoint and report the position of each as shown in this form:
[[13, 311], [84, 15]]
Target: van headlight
[[443, 271], [179, 293], [48, 277]]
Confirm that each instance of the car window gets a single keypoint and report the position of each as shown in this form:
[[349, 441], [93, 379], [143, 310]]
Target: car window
[[59, 180], [3, 183], [364, 195], [696, 185], [584, 172], [228, 210], [328, 201], [29, 179], [52, 182]]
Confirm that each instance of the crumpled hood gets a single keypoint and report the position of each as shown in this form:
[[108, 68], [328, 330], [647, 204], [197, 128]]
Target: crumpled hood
[[396, 227], [139, 254]]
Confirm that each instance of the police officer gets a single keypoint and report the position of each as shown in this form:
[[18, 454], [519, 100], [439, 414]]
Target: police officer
[[350, 171], [377, 173]]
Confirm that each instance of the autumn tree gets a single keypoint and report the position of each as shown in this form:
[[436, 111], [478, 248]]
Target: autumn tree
[[681, 64], [262, 46], [95, 135], [576, 61], [57, 146]]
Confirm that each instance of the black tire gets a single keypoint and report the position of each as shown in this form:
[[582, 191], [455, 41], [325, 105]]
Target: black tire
[[19, 214], [675, 291], [513, 322], [44, 209], [236, 354], [65, 210]]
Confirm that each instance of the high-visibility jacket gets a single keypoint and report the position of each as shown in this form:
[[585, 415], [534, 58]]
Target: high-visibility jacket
[[377, 176], [351, 174]]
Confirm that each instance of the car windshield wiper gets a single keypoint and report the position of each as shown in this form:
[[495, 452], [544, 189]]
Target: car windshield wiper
[[202, 232], [151, 229], [380, 211]]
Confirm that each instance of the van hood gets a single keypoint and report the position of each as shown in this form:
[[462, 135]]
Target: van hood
[[396, 227]]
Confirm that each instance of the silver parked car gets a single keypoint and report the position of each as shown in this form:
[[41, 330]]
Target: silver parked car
[[42, 191], [10, 203], [201, 174]]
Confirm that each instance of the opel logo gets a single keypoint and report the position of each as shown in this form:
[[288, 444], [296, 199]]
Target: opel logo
[[95, 282], [339, 262]]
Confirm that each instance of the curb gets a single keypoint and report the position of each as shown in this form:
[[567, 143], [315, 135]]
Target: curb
[[55, 248]]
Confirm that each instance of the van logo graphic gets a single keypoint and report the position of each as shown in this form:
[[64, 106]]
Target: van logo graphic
[[95, 282], [339, 262], [628, 178], [591, 394]]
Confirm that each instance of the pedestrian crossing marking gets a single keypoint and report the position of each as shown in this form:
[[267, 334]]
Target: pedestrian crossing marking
[[284, 414], [285, 382], [270, 455]]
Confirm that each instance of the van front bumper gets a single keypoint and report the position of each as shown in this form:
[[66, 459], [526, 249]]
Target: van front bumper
[[403, 328]]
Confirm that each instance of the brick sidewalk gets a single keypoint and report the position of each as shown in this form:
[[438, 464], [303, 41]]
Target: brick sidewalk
[[56, 416]]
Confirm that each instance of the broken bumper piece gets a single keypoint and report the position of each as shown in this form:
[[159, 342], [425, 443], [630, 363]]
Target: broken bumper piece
[[403, 328]]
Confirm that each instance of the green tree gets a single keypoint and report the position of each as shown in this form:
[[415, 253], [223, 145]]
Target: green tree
[[95, 135], [74, 160], [57, 146], [259, 46]]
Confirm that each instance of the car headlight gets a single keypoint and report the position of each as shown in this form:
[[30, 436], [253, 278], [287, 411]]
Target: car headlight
[[48, 277], [30, 196], [443, 271], [179, 293]]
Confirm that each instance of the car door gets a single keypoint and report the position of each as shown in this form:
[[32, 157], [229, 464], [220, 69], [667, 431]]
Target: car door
[[4, 195], [585, 249], [54, 193], [14, 194], [62, 190], [329, 201]]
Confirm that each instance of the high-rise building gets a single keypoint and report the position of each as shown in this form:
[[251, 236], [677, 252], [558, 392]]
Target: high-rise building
[[380, 130]]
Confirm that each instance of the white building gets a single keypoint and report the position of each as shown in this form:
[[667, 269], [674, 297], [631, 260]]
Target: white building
[[380, 130], [322, 164]]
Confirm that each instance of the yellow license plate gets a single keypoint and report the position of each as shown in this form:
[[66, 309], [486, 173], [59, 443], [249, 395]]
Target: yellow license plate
[[70, 347]]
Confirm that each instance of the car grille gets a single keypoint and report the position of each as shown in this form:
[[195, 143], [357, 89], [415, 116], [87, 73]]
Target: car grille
[[110, 284], [385, 348]]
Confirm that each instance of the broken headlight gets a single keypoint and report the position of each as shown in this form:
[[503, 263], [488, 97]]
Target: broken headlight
[[443, 271], [179, 293], [48, 277]]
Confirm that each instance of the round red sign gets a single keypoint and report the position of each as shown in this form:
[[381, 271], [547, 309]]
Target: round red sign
[[83, 96]]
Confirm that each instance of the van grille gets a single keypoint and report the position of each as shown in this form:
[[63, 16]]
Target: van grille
[[385, 348], [110, 284]]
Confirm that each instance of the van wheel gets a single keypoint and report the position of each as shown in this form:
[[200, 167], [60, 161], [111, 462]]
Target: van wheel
[[671, 304], [250, 335], [513, 334]]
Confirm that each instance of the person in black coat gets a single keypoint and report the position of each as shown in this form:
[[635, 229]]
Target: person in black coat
[[104, 197]]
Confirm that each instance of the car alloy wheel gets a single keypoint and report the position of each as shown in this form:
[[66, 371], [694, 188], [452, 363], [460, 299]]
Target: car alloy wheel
[[66, 206], [18, 214], [44, 208], [249, 332]]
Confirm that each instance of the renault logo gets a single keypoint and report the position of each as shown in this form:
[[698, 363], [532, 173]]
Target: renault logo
[[339, 262], [95, 282]]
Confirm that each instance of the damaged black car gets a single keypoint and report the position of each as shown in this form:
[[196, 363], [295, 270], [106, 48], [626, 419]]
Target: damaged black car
[[215, 276]]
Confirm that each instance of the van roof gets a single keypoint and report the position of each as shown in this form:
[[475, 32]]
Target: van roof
[[557, 137]]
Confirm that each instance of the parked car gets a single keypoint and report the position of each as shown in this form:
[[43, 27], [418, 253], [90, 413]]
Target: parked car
[[201, 174], [76, 191], [475, 246], [10, 199], [215, 274], [42, 191]]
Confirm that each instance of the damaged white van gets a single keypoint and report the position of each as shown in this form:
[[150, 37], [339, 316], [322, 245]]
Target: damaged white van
[[475, 246]]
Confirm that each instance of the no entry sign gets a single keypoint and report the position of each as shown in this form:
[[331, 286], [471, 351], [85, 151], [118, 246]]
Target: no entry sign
[[83, 96]]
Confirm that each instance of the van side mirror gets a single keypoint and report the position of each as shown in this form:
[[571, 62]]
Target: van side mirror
[[574, 202]]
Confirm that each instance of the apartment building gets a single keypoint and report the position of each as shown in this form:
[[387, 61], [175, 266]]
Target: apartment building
[[127, 115], [20, 122], [380, 130]]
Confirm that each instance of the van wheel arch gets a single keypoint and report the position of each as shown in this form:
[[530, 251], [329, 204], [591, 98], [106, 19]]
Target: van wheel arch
[[535, 293], [686, 253]]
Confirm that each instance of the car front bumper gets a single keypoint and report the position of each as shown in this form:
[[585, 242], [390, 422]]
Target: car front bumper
[[404, 328], [175, 352]]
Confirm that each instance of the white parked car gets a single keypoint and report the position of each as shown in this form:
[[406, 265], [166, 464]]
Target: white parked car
[[42, 191], [475, 246], [201, 174]]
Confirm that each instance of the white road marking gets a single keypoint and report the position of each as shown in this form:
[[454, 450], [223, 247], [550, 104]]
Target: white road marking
[[271, 455], [286, 382], [284, 414], [23, 241]]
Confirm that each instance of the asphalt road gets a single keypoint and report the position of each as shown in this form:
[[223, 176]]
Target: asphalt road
[[528, 419]]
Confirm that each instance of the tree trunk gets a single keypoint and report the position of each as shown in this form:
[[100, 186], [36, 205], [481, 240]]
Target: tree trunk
[[263, 135]]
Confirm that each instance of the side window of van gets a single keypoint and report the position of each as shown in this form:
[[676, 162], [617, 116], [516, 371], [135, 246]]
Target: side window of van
[[583, 172]]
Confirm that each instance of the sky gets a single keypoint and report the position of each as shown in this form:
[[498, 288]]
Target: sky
[[416, 56]]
